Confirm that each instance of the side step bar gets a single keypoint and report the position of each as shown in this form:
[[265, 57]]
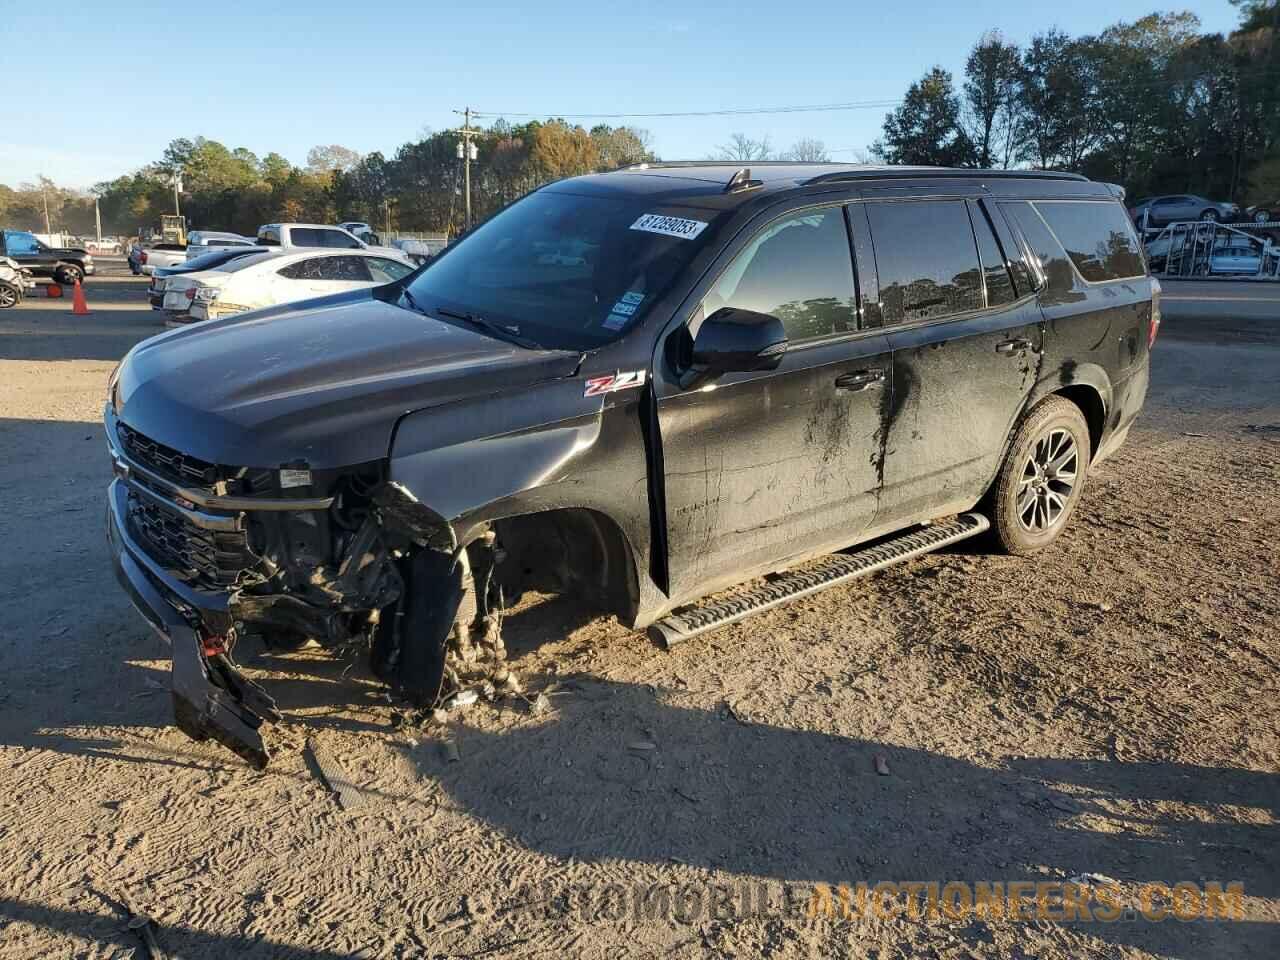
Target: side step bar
[[698, 618]]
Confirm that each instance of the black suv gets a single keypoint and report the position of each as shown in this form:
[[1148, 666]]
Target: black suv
[[63, 264], [637, 388]]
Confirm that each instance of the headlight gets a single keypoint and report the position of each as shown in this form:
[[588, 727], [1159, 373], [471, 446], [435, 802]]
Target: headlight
[[112, 381]]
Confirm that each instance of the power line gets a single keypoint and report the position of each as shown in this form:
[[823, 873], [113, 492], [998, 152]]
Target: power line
[[728, 112], [822, 107]]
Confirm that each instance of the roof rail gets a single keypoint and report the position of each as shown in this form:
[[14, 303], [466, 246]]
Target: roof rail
[[951, 173], [660, 164]]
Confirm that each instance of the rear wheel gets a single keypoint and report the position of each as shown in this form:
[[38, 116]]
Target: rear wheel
[[10, 296], [1262, 216], [1042, 477], [1208, 215]]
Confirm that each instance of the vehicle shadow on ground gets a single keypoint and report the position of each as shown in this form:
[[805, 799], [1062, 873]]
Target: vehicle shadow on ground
[[97, 929], [618, 772]]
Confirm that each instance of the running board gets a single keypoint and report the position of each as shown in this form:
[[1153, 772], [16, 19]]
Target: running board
[[690, 621]]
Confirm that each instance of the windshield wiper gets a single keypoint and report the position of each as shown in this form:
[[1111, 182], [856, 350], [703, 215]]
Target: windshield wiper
[[488, 326]]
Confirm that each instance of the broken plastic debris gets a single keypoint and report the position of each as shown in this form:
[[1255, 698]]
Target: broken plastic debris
[[450, 750], [882, 764], [332, 775], [541, 704], [463, 698], [510, 684], [1087, 879]]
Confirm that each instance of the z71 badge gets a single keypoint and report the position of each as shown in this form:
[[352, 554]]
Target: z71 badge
[[613, 382]]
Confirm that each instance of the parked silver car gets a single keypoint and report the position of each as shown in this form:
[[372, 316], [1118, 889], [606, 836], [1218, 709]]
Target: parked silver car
[[1177, 208]]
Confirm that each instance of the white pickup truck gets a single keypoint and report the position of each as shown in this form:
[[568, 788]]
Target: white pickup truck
[[287, 235]]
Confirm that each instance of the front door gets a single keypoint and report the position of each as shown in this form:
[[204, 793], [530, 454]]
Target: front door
[[762, 467], [965, 344]]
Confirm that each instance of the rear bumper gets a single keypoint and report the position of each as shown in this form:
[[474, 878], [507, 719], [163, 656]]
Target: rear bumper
[[211, 698]]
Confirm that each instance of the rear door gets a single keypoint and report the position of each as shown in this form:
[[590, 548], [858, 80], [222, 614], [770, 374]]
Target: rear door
[[320, 276], [764, 466], [965, 340]]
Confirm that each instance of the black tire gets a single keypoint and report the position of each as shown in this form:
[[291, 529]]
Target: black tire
[[435, 591], [68, 274], [1262, 216], [1029, 510], [10, 296], [1209, 215]]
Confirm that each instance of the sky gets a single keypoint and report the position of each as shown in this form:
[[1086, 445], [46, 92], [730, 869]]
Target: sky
[[107, 86]]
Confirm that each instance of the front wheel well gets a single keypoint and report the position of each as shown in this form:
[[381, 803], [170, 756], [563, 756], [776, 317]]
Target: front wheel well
[[570, 551], [1095, 413]]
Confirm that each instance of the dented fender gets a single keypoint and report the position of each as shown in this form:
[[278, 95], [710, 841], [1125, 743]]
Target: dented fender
[[550, 446]]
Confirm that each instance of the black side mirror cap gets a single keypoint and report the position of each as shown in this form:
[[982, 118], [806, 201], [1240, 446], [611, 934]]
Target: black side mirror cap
[[735, 341]]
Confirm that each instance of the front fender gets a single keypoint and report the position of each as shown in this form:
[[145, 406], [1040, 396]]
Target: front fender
[[545, 447]]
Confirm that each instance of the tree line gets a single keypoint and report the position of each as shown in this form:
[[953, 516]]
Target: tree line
[[1154, 105], [417, 189]]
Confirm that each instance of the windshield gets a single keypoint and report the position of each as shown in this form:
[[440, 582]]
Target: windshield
[[562, 270]]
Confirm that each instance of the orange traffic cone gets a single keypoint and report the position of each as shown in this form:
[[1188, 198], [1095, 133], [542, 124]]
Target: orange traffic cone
[[78, 306]]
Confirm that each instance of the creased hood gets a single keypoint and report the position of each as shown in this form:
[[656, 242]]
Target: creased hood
[[324, 382]]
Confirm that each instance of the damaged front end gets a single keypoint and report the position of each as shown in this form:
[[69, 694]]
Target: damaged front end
[[208, 553]]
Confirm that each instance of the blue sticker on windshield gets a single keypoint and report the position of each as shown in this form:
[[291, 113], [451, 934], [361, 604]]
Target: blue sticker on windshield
[[615, 321]]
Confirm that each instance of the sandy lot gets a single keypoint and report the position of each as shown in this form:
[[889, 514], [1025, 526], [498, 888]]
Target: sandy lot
[[1110, 707]]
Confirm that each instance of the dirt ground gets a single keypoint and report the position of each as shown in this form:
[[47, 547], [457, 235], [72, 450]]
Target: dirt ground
[[1109, 707]]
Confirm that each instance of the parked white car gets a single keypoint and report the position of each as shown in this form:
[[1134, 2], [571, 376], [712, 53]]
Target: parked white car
[[162, 255], [321, 235], [200, 242], [266, 279]]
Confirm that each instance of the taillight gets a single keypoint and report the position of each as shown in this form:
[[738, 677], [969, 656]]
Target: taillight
[[191, 293], [1154, 327], [142, 257]]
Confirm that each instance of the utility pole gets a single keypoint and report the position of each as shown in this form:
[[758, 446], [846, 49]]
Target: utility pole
[[45, 197], [386, 212], [97, 219], [177, 186], [466, 153]]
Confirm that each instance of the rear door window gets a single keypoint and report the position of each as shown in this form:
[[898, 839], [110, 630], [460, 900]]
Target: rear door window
[[999, 284], [926, 259], [1097, 237], [269, 238], [312, 268], [1053, 261], [799, 270], [346, 269]]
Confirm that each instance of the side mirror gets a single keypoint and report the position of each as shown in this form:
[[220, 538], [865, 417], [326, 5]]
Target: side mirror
[[734, 341]]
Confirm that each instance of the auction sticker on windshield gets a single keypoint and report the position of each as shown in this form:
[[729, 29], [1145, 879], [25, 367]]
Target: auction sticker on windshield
[[669, 226]]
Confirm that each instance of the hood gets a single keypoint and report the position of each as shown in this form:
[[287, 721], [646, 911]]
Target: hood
[[322, 382]]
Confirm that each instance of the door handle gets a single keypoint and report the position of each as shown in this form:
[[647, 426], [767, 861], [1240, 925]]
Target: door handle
[[1016, 345], [859, 380]]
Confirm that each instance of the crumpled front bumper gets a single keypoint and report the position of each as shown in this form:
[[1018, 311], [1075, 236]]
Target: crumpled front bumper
[[211, 698]]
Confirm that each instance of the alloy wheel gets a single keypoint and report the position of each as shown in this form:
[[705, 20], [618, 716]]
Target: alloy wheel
[[8, 297], [1048, 477]]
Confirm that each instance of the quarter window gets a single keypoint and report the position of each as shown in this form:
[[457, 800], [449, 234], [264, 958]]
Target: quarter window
[[387, 271], [798, 270], [1044, 245], [1097, 237], [926, 259]]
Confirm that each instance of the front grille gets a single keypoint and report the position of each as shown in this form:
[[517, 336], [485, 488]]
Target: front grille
[[169, 463], [207, 559]]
